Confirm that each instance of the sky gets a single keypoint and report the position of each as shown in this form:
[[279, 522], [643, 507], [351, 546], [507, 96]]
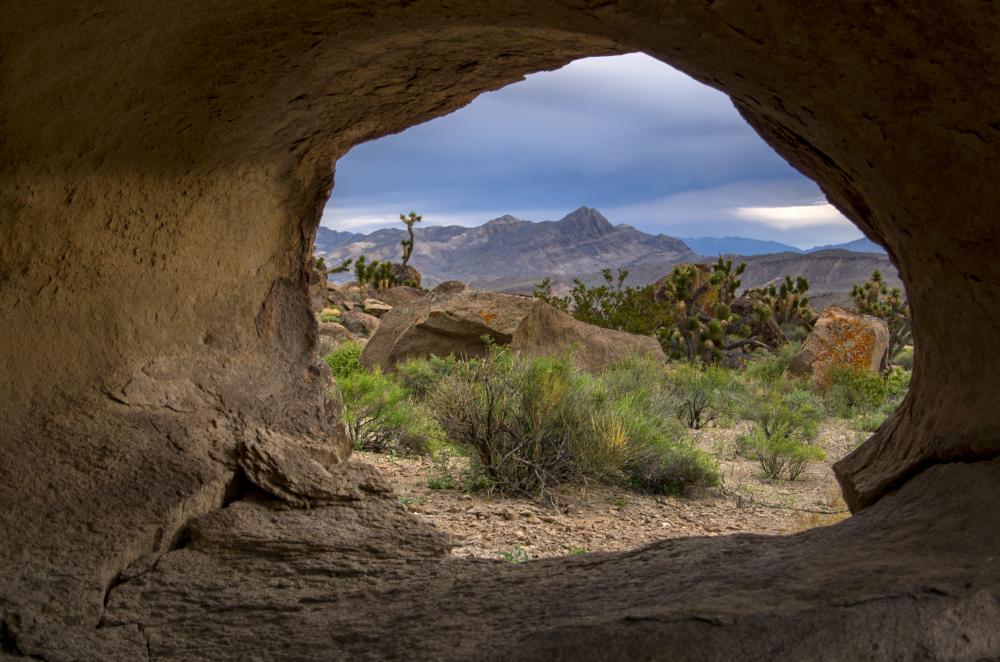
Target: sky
[[628, 135]]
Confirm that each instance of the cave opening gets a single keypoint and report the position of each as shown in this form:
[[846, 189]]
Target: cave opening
[[652, 161], [163, 175]]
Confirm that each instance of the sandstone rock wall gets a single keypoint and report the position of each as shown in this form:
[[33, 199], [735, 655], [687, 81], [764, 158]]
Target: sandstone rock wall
[[163, 165]]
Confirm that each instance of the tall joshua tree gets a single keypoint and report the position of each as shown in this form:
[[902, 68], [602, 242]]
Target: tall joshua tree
[[410, 219]]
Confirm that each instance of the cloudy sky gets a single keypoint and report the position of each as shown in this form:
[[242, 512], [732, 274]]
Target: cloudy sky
[[628, 135]]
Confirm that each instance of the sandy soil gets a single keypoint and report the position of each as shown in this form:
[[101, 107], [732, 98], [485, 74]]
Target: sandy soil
[[602, 518]]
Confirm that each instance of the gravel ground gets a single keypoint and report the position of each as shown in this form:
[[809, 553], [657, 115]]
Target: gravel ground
[[601, 518]]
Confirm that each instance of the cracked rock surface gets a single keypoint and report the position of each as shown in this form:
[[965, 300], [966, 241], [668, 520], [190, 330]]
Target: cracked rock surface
[[364, 580]]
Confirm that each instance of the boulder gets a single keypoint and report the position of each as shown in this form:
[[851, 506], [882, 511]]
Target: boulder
[[444, 324], [406, 274], [450, 287], [547, 331], [359, 323], [335, 331], [397, 296], [331, 334], [375, 307], [842, 337]]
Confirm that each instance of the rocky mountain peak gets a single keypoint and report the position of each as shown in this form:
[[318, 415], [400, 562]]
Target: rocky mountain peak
[[586, 219]]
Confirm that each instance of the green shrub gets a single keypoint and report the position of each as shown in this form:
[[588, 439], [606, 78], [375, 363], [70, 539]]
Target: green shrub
[[853, 390], [897, 383], [780, 454], [769, 367], [442, 482], [344, 360], [672, 468], [904, 358], [330, 315], [703, 394], [785, 418], [380, 417], [516, 555], [532, 424], [421, 376]]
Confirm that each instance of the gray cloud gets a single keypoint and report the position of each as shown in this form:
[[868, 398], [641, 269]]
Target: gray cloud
[[629, 135]]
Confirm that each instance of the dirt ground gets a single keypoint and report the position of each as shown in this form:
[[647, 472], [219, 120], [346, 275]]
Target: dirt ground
[[601, 518]]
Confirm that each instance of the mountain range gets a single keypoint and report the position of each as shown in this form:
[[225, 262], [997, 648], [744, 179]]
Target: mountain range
[[511, 254], [746, 246], [510, 248]]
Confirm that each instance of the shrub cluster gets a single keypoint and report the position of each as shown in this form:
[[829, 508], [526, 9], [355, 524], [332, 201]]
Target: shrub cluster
[[533, 424], [379, 412]]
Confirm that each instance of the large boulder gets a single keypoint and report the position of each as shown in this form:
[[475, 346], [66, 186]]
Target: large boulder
[[547, 331], [842, 337], [401, 294], [450, 287], [359, 323], [440, 325]]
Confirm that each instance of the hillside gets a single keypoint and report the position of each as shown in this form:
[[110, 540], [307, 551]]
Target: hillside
[[509, 248]]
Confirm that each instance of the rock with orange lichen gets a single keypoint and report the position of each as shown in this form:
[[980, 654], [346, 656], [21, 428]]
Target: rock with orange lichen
[[842, 337]]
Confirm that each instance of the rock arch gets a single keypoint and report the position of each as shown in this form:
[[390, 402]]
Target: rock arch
[[161, 174]]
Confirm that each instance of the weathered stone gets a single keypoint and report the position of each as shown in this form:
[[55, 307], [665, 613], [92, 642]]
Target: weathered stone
[[449, 287], [842, 337], [365, 580], [546, 331], [301, 472], [161, 180], [445, 324], [359, 323], [375, 308], [401, 294], [406, 274], [331, 334]]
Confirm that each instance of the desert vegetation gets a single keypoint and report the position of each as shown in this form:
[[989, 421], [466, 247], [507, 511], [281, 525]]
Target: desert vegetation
[[719, 417]]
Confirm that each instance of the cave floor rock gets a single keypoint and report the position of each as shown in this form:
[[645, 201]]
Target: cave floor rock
[[366, 580]]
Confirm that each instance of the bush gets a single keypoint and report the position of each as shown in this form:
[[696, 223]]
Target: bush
[[852, 391], [703, 394], [904, 359], [785, 418], [769, 367], [329, 315], [421, 376], [532, 424], [782, 453], [380, 417], [897, 383], [344, 360]]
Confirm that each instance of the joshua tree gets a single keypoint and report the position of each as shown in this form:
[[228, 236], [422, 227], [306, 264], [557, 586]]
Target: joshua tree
[[874, 297], [788, 302], [410, 219], [705, 324], [726, 280], [378, 274], [339, 269]]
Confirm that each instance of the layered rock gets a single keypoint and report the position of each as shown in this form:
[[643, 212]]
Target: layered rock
[[445, 324], [546, 331]]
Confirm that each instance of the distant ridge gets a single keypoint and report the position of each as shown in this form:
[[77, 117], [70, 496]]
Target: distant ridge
[[711, 246], [511, 248]]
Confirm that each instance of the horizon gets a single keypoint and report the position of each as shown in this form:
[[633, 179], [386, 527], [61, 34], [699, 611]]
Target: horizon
[[400, 228], [642, 142]]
